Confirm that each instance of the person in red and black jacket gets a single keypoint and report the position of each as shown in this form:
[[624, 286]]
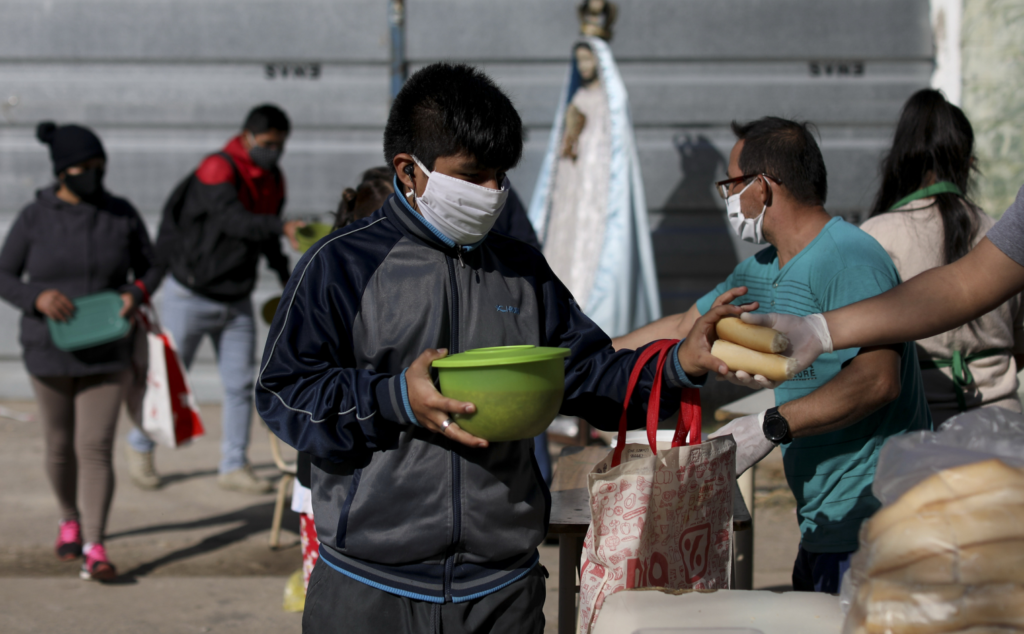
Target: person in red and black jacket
[[230, 214]]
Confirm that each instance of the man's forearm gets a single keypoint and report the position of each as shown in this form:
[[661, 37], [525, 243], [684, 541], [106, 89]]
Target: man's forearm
[[931, 303], [870, 381], [671, 327]]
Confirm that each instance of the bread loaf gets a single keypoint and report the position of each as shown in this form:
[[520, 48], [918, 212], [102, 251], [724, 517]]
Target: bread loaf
[[994, 562], [935, 533], [892, 608], [750, 336], [948, 485], [774, 367]]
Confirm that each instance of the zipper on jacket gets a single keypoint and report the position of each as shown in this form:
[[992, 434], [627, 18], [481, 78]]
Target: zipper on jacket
[[453, 346], [449, 564]]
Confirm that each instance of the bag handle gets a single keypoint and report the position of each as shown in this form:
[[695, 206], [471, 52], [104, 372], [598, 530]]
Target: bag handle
[[689, 407], [139, 284]]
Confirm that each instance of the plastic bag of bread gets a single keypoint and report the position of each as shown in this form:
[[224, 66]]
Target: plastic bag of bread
[[950, 513], [946, 556], [974, 436]]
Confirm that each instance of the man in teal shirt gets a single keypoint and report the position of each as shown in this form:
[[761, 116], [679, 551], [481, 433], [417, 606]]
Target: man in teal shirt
[[832, 419]]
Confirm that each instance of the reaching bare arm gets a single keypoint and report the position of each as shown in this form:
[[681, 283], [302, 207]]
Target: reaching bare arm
[[674, 326], [870, 381], [931, 303], [665, 328]]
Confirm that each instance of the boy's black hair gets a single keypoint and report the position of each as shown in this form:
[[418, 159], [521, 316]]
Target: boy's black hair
[[449, 109], [267, 117], [787, 152]]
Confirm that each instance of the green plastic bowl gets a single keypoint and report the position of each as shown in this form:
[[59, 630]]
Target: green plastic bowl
[[310, 234], [517, 390]]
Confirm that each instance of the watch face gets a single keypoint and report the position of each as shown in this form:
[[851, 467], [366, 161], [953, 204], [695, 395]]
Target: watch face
[[776, 427]]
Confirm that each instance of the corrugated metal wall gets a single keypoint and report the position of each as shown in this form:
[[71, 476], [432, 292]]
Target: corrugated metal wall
[[166, 81]]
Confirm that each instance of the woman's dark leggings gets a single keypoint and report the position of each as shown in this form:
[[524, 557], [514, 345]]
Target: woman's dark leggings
[[79, 416]]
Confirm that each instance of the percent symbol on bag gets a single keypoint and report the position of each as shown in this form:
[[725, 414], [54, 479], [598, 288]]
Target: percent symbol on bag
[[693, 546]]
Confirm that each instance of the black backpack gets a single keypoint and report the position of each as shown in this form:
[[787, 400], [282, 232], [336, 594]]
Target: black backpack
[[168, 241]]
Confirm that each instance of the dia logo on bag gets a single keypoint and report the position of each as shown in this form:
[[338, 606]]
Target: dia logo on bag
[[650, 574]]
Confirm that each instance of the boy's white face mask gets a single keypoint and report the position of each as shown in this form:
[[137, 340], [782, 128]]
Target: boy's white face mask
[[461, 210], [748, 229]]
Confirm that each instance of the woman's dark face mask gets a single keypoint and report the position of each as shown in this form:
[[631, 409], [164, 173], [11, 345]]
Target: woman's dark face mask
[[87, 184]]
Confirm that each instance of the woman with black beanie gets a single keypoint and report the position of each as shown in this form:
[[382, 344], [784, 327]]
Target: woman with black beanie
[[76, 239]]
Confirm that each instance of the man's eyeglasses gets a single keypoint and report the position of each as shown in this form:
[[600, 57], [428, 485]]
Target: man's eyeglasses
[[725, 187]]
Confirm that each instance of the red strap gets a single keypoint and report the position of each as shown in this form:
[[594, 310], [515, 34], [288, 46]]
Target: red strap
[[145, 292], [654, 402], [634, 376], [689, 408]]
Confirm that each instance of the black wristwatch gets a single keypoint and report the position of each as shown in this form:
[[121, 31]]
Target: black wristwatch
[[776, 427]]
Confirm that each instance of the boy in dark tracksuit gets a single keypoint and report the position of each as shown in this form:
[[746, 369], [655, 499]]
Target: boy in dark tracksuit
[[423, 527]]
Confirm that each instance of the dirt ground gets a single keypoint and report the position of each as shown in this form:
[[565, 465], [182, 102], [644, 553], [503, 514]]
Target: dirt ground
[[194, 558]]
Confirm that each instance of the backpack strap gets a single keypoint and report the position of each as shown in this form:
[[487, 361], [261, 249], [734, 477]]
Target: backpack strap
[[234, 168]]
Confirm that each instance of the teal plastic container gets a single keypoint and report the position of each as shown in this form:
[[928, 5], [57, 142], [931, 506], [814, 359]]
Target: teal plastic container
[[96, 321], [310, 234], [517, 390]]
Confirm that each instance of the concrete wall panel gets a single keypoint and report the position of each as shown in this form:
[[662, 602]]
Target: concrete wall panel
[[670, 29], [161, 95], [194, 30]]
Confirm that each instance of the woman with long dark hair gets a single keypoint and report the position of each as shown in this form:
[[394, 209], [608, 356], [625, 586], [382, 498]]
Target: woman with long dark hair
[[924, 218]]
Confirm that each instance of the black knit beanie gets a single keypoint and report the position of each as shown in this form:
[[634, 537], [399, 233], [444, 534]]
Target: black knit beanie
[[69, 144]]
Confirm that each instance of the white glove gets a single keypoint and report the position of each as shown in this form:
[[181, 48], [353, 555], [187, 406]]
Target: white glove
[[754, 382], [808, 336], [751, 444]]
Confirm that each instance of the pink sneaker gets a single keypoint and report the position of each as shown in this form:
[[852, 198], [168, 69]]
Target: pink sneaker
[[69, 541], [97, 567]]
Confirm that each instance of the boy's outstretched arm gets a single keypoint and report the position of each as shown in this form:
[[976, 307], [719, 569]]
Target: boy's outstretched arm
[[597, 375], [695, 351]]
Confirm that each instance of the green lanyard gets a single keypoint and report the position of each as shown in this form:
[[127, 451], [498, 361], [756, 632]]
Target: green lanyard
[[962, 375], [941, 187]]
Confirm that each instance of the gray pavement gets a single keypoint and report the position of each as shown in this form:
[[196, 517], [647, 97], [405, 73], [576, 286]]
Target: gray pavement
[[194, 558], [156, 605]]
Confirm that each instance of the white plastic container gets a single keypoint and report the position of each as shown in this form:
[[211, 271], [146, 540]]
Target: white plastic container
[[698, 630]]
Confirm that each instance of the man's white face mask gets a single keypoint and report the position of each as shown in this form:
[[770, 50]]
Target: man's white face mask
[[461, 210], [748, 229]]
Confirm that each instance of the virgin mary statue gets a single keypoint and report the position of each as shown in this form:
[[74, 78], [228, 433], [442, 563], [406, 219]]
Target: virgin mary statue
[[588, 207]]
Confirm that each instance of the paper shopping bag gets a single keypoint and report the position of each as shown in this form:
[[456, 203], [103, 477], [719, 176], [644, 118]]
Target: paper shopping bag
[[659, 518], [165, 408]]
